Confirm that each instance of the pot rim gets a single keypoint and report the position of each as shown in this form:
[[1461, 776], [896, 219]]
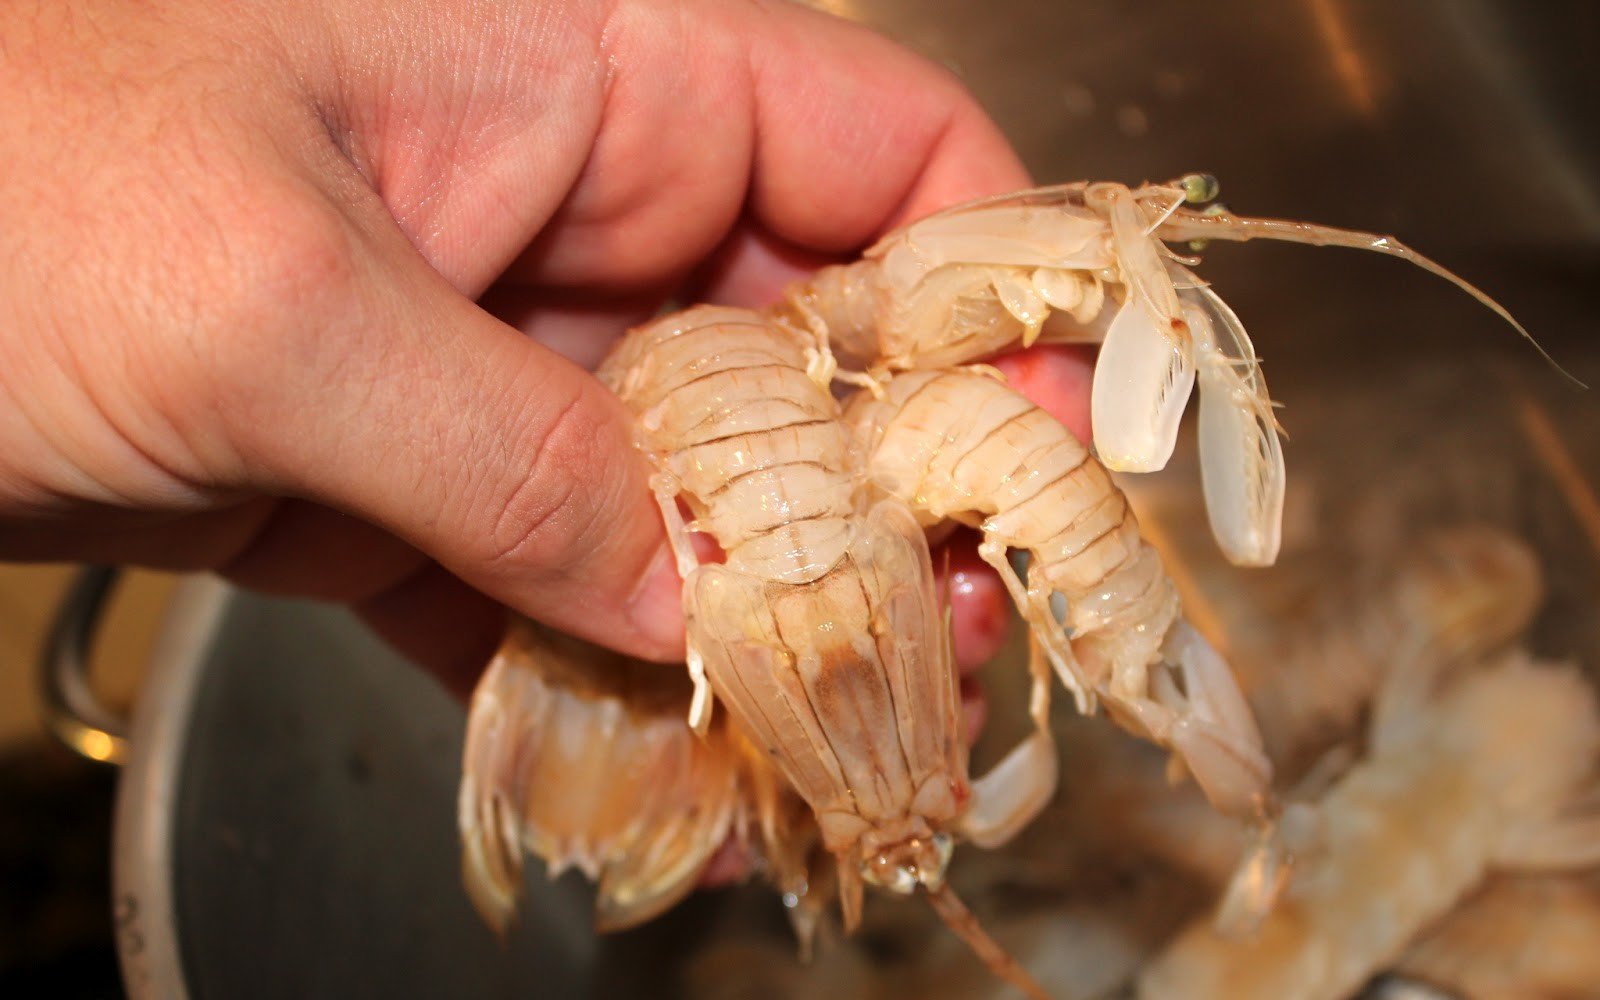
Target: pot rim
[[143, 913]]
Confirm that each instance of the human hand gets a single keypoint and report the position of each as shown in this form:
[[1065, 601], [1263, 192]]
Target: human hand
[[301, 292]]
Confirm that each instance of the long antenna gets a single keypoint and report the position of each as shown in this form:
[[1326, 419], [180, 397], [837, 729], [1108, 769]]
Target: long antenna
[[960, 920], [1220, 224]]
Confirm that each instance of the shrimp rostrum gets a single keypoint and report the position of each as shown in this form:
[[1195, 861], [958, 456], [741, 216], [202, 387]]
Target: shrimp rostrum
[[1090, 261]]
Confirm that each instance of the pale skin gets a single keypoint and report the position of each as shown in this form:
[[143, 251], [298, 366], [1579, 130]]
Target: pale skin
[[305, 293]]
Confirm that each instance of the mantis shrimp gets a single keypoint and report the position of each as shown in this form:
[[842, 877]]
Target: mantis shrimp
[[1477, 761], [1089, 262], [820, 630], [961, 445]]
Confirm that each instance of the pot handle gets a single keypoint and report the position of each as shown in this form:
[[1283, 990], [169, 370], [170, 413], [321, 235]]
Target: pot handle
[[72, 712]]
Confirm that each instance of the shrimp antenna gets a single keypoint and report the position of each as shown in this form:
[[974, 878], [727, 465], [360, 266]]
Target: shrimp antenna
[[959, 919], [1222, 225]]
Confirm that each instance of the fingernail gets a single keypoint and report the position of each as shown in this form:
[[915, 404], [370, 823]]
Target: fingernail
[[656, 609]]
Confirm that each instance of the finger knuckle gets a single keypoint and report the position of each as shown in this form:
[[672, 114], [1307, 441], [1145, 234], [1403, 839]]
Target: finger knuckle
[[286, 264], [272, 292]]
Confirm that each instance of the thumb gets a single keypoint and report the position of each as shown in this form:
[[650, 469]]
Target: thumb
[[414, 409]]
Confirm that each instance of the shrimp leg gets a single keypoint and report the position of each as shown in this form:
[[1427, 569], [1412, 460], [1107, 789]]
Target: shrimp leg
[[1017, 788], [1045, 640], [666, 489], [1205, 719]]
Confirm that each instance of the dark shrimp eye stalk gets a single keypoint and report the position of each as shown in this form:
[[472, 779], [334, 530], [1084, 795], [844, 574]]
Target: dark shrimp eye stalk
[[1200, 189]]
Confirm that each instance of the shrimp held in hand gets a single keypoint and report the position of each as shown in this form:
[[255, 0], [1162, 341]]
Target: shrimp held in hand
[[1090, 262], [820, 632]]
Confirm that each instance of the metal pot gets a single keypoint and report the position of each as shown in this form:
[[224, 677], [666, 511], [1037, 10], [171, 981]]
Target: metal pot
[[285, 822], [285, 825]]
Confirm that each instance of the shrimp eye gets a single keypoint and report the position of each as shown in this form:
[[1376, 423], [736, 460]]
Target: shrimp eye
[[1199, 188]]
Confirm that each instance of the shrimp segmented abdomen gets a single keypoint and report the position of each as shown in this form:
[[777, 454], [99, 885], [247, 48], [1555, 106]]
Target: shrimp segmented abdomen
[[963, 445], [832, 679], [820, 630]]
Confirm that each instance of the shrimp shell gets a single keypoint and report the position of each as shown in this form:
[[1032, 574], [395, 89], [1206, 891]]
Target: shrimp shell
[[1403, 836], [1517, 938], [727, 408], [964, 446], [581, 756], [820, 630], [960, 445]]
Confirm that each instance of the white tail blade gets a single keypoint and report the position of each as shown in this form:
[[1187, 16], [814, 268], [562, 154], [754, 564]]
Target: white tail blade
[[1141, 385], [1241, 457]]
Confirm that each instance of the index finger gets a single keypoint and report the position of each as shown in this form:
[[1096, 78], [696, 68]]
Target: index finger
[[783, 135], [856, 135]]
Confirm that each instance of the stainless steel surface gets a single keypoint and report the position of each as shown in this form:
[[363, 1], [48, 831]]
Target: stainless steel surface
[[145, 837], [297, 805], [1462, 123], [286, 825], [286, 828], [1464, 128], [72, 712]]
